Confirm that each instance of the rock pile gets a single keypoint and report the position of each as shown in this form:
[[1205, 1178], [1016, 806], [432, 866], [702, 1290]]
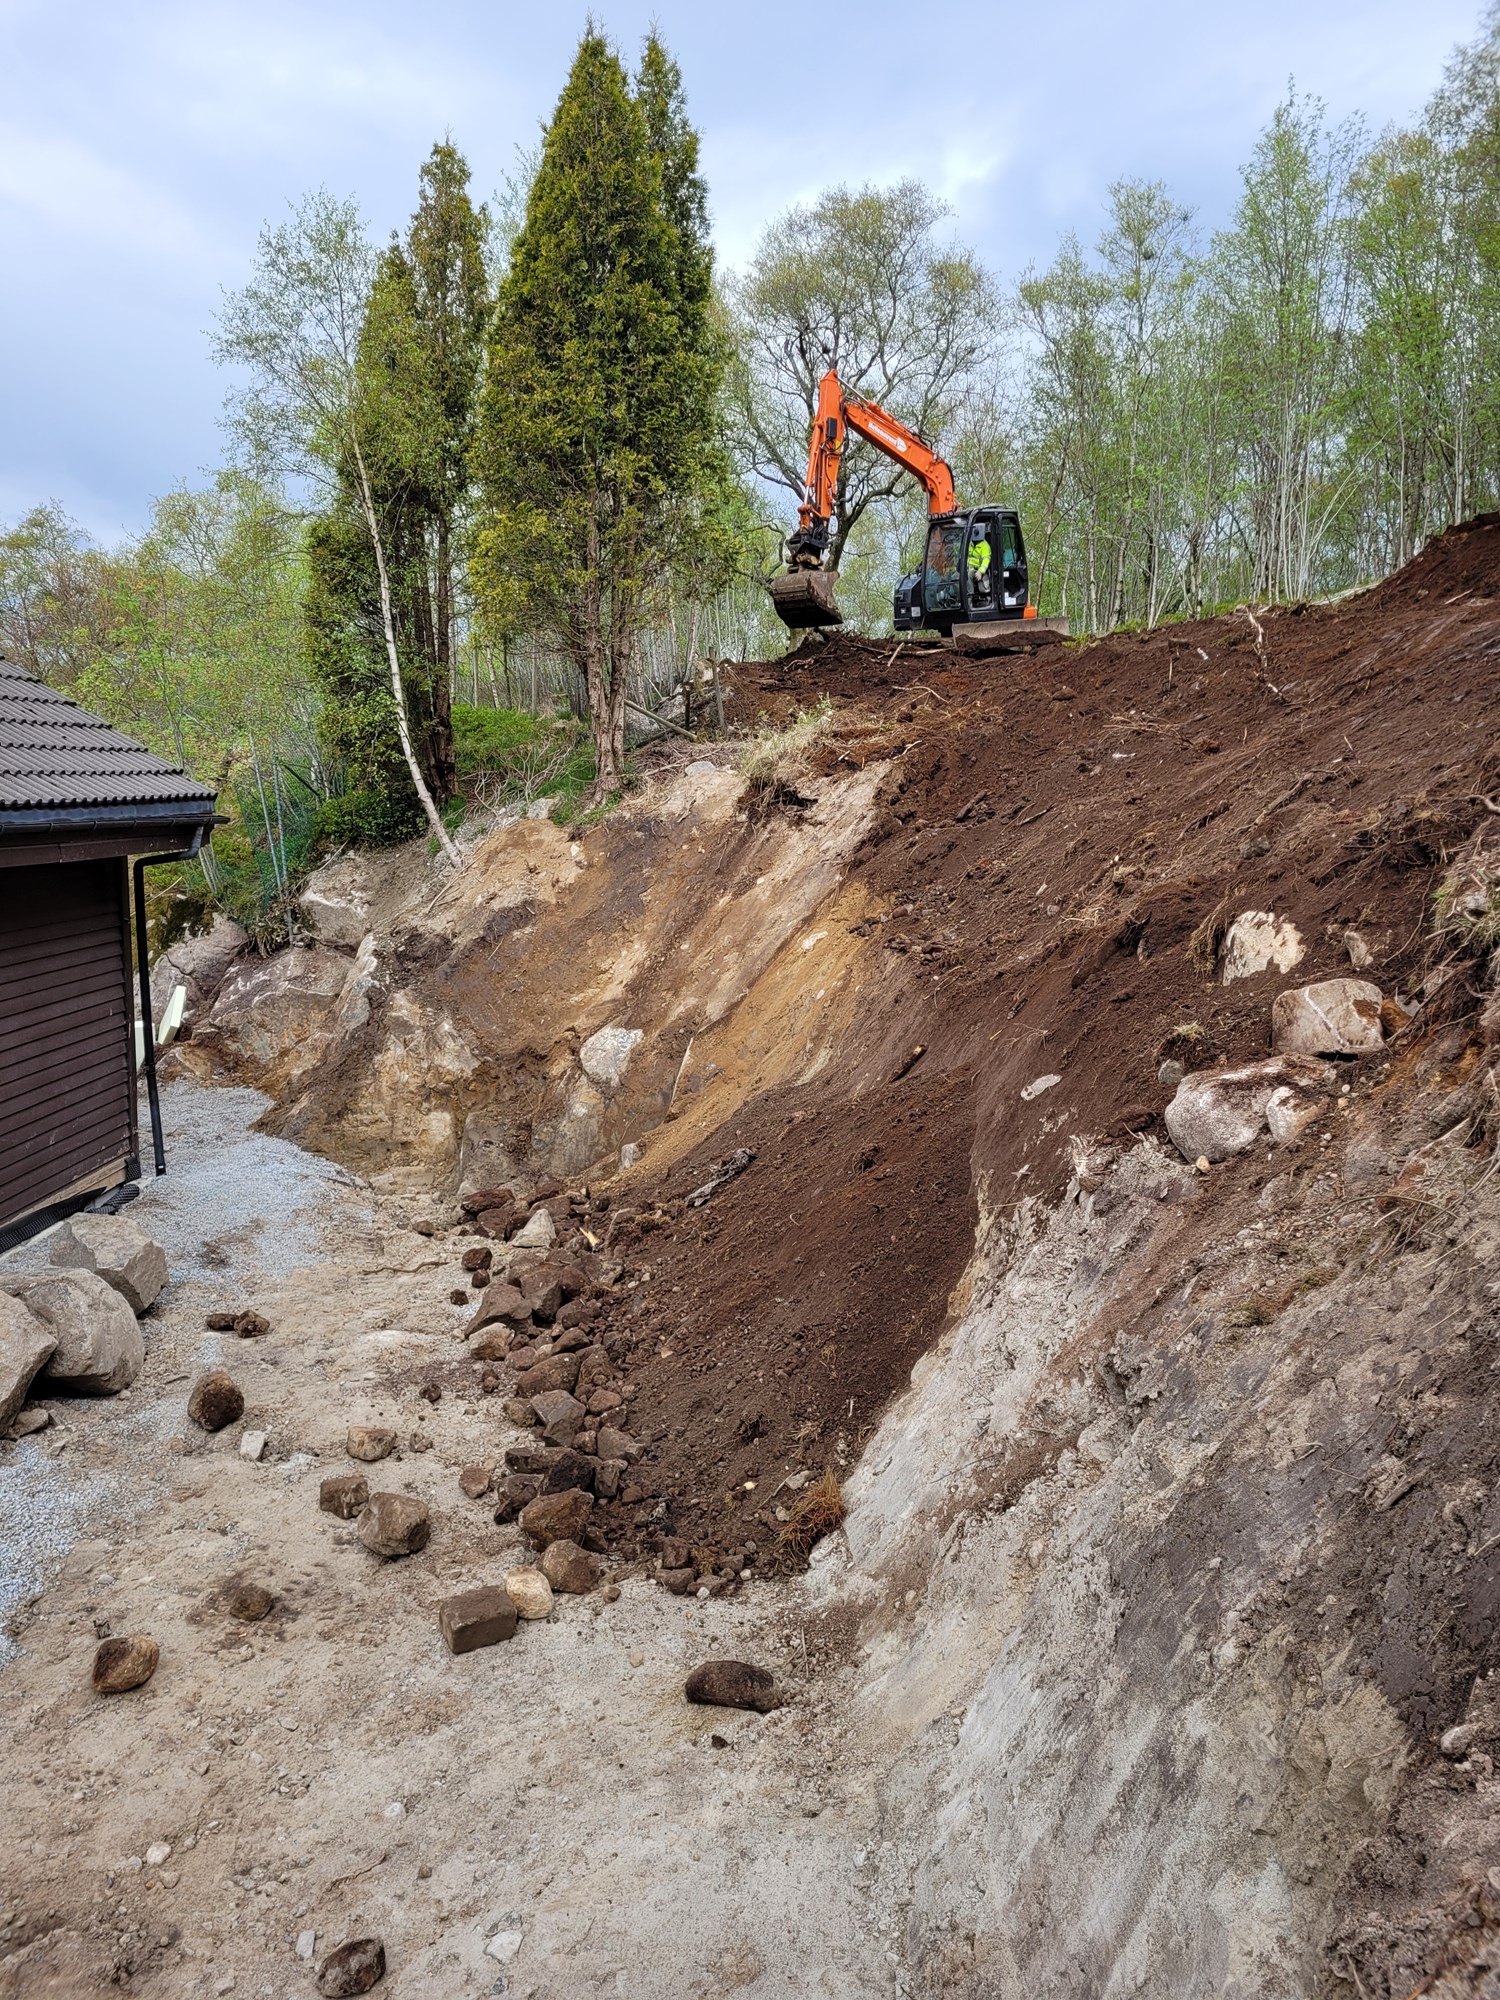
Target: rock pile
[[72, 1328], [1218, 1113]]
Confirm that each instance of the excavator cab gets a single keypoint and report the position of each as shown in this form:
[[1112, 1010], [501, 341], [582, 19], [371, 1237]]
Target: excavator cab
[[974, 573]]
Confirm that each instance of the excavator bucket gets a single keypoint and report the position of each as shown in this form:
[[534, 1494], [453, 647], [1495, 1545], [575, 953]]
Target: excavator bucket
[[804, 597]]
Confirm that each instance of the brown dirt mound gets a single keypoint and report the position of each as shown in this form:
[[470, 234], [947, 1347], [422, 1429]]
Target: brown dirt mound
[[1062, 836]]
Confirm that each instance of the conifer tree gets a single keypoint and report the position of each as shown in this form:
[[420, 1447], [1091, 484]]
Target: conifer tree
[[597, 425]]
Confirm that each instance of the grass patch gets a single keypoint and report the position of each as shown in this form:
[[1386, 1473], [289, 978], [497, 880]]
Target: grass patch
[[1256, 1310], [508, 757], [1204, 945], [774, 760], [820, 1510]]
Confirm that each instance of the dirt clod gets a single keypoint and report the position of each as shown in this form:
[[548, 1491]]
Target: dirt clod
[[216, 1400], [733, 1684]]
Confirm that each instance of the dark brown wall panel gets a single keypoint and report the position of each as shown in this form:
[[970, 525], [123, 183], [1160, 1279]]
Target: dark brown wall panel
[[67, 1084]]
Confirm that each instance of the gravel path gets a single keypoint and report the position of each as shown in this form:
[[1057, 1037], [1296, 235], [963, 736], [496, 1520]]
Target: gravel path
[[234, 1210]]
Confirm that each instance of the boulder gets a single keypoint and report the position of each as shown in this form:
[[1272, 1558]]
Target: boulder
[[1294, 1105], [474, 1481], [125, 1663], [733, 1684], [99, 1349], [276, 1013], [529, 1591], [606, 1055], [198, 964], [556, 1517], [119, 1250], [1218, 1113], [570, 1569], [395, 1524], [336, 901], [25, 1344], [474, 1618], [1259, 941], [216, 1400], [1330, 1017]]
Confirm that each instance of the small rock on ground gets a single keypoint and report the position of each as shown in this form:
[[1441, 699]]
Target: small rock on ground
[[733, 1684], [344, 1494], [530, 1592], [355, 1967], [370, 1442], [475, 1618], [121, 1664], [570, 1569], [394, 1524], [556, 1517]]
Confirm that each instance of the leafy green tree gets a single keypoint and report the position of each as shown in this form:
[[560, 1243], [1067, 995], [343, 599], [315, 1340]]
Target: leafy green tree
[[859, 281], [1283, 276], [597, 440], [311, 408], [51, 604]]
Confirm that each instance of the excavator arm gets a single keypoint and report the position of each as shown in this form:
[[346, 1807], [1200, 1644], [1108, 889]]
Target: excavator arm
[[804, 596]]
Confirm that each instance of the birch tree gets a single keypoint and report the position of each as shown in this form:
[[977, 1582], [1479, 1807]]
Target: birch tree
[[306, 411]]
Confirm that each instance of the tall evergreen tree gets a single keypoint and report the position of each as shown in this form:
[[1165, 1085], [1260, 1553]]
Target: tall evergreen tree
[[597, 426]]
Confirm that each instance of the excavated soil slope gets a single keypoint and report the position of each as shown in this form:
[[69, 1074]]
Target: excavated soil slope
[[928, 978], [1059, 836]]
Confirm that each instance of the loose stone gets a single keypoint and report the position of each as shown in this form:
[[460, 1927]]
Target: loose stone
[[475, 1618], [529, 1591], [369, 1442], [355, 1967], [344, 1494], [121, 1664], [394, 1524], [733, 1684]]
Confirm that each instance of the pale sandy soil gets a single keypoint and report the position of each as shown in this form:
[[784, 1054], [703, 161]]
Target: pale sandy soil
[[332, 1769]]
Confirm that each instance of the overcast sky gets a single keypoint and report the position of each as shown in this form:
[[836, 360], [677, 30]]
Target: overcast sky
[[143, 145]]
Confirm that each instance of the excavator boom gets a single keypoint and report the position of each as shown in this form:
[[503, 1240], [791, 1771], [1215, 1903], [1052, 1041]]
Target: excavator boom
[[804, 595]]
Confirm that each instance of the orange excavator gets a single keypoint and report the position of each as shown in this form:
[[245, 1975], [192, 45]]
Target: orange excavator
[[974, 569]]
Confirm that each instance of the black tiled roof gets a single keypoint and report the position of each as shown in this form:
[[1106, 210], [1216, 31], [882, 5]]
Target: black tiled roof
[[54, 753]]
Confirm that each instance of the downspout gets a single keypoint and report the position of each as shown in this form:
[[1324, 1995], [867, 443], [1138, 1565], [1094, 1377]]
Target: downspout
[[143, 970]]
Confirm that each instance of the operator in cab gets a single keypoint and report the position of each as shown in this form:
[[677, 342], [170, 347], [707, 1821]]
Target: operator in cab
[[979, 567]]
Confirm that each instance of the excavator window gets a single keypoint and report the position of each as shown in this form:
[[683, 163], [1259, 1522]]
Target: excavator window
[[943, 586]]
